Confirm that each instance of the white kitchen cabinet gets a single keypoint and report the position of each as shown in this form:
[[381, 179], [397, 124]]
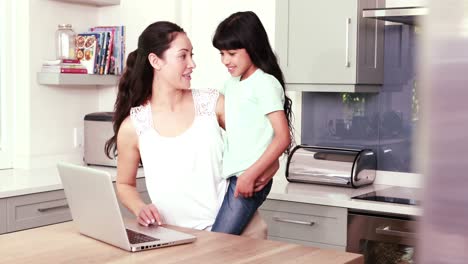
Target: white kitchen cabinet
[[45, 208], [329, 46], [3, 218], [306, 224], [38, 209]]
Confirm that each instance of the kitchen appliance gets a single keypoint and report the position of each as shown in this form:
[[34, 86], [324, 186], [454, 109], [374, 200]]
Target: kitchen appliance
[[382, 239], [97, 130], [331, 166], [396, 194]]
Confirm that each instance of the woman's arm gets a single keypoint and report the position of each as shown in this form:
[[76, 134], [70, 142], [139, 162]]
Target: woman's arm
[[281, 140], [127, 165], [220, 112]]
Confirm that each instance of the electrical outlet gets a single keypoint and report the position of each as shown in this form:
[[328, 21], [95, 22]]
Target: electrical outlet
[[78, 137]]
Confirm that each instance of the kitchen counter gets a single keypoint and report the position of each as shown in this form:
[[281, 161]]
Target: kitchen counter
[[336, 196], [21, 182], [61, 243]]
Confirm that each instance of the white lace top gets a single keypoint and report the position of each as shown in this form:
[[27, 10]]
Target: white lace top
[[183, 173]]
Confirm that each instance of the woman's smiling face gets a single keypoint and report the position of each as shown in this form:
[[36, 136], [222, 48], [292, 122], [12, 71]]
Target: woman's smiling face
[[177, 63]]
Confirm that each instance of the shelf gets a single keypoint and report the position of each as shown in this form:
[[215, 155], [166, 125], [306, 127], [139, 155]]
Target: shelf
[[93, 2], [50, 78]]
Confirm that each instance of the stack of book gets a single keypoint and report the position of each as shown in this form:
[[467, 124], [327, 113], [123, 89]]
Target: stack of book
[[102, 49], [64, 66]]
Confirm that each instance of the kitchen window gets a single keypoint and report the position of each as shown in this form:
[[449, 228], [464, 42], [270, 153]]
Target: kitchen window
[[6, 84]]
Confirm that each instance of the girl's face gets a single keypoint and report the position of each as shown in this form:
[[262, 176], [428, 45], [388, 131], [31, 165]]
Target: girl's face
[[238, 63], [177, 63]]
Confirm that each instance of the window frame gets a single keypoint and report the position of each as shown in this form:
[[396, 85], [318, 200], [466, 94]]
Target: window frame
[[7, 68]]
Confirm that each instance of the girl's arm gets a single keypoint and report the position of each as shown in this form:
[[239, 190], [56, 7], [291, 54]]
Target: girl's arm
[[127, 166], [280, 142]]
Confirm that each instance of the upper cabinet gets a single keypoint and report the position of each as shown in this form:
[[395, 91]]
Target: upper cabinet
[[328, 46]]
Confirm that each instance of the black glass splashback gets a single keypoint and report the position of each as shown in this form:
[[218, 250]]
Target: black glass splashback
[[384, 122]]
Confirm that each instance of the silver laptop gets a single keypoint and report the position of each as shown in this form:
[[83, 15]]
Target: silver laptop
[[94, 208]]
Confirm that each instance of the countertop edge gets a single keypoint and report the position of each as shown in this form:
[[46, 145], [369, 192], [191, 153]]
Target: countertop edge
[[371, 206]]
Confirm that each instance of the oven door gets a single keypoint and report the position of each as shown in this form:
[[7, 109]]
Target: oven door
[[382, 239]]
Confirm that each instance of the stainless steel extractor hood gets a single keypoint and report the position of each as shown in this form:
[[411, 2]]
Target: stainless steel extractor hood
[[406, 12]]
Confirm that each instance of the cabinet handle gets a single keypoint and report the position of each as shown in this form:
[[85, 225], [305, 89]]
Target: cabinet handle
[[52, 208], [347, 63], [388, 231], [278, 219]]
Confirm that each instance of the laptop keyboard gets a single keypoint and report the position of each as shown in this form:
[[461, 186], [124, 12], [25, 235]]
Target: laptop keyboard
[[137, 238]]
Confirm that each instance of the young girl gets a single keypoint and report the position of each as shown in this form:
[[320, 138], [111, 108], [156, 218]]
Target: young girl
[[258, 117]]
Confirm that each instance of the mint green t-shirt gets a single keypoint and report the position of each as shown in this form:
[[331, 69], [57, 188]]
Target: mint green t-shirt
[[248, 129]]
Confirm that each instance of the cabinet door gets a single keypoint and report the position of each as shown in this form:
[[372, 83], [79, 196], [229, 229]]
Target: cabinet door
[[316, 41], [33, 210], [3, 213], [323, 226], [370, 44]]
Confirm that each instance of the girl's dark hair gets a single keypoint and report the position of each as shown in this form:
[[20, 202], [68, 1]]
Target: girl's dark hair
[[135, 85], [244, 30]]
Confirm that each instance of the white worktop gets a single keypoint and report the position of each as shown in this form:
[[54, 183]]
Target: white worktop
[[21, 182], [337, 196]]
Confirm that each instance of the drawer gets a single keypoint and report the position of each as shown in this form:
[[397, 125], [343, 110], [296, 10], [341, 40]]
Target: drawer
[[3, 216], [37, 209], [305, 222]]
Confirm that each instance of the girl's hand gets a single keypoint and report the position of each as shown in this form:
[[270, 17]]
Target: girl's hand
[[266, 177], [149, 215], [244, 186]]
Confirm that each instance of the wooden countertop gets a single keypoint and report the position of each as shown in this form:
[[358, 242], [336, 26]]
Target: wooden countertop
[[61, 243]]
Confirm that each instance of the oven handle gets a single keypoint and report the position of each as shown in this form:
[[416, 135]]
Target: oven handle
[[388, 231], [278, 219]]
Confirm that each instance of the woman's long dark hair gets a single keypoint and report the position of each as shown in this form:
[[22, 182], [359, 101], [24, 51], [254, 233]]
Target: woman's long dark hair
[[244, 30], [135, 85]]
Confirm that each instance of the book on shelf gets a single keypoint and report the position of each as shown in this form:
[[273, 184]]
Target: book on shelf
[[61, 61], [86, 50], [105, 52], [112, 58], [64, 67], [65, 70]]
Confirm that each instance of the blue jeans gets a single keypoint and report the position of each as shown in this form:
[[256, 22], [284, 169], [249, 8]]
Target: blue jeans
[[236, 213]]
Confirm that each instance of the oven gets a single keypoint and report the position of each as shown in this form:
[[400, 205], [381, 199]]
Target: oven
[[382, 239]]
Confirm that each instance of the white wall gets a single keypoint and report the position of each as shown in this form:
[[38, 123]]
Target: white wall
[[46, 115], [54, 111], [205, 17]]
